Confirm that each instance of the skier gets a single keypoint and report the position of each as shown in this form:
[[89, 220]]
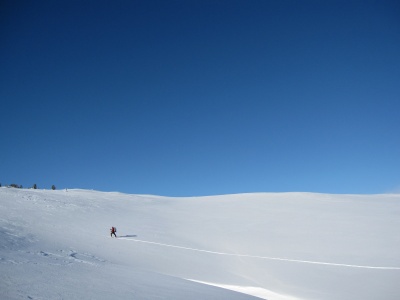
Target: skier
[[113, 231]]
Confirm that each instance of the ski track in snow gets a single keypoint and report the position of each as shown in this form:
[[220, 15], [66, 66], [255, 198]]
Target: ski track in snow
[[264, 257]]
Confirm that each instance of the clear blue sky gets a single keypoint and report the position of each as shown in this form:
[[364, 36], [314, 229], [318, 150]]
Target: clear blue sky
[[184, 98]]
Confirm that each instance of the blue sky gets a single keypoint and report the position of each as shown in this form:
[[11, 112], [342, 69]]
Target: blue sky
[[186, 98]]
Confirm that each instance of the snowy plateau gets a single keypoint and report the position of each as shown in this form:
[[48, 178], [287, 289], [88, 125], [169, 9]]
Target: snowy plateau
[[276, 246]]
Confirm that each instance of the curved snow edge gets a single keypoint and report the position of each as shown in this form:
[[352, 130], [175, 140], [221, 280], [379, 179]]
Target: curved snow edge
[[266, 257]]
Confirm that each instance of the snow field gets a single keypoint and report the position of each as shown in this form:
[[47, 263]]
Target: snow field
[[284, 246]]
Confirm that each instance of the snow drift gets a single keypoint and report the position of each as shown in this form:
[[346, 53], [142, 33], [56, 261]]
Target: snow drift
[[277, 246]]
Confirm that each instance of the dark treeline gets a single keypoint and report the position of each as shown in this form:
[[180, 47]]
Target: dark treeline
[[19, 186]]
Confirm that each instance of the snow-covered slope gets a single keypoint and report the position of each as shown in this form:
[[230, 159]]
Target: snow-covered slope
[[286, 246]]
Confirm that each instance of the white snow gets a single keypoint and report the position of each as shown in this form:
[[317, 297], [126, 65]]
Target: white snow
[[276, 246]]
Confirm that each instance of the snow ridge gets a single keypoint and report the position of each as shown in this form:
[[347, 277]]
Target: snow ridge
[[264, 257]]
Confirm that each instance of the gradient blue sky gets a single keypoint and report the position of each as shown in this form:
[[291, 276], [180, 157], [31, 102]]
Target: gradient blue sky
[[186, 98]]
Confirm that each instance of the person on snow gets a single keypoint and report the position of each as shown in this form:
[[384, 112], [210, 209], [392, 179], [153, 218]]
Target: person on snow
[[113, 231]]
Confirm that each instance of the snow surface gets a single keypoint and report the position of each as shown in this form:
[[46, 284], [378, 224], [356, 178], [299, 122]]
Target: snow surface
[[276, 246]]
